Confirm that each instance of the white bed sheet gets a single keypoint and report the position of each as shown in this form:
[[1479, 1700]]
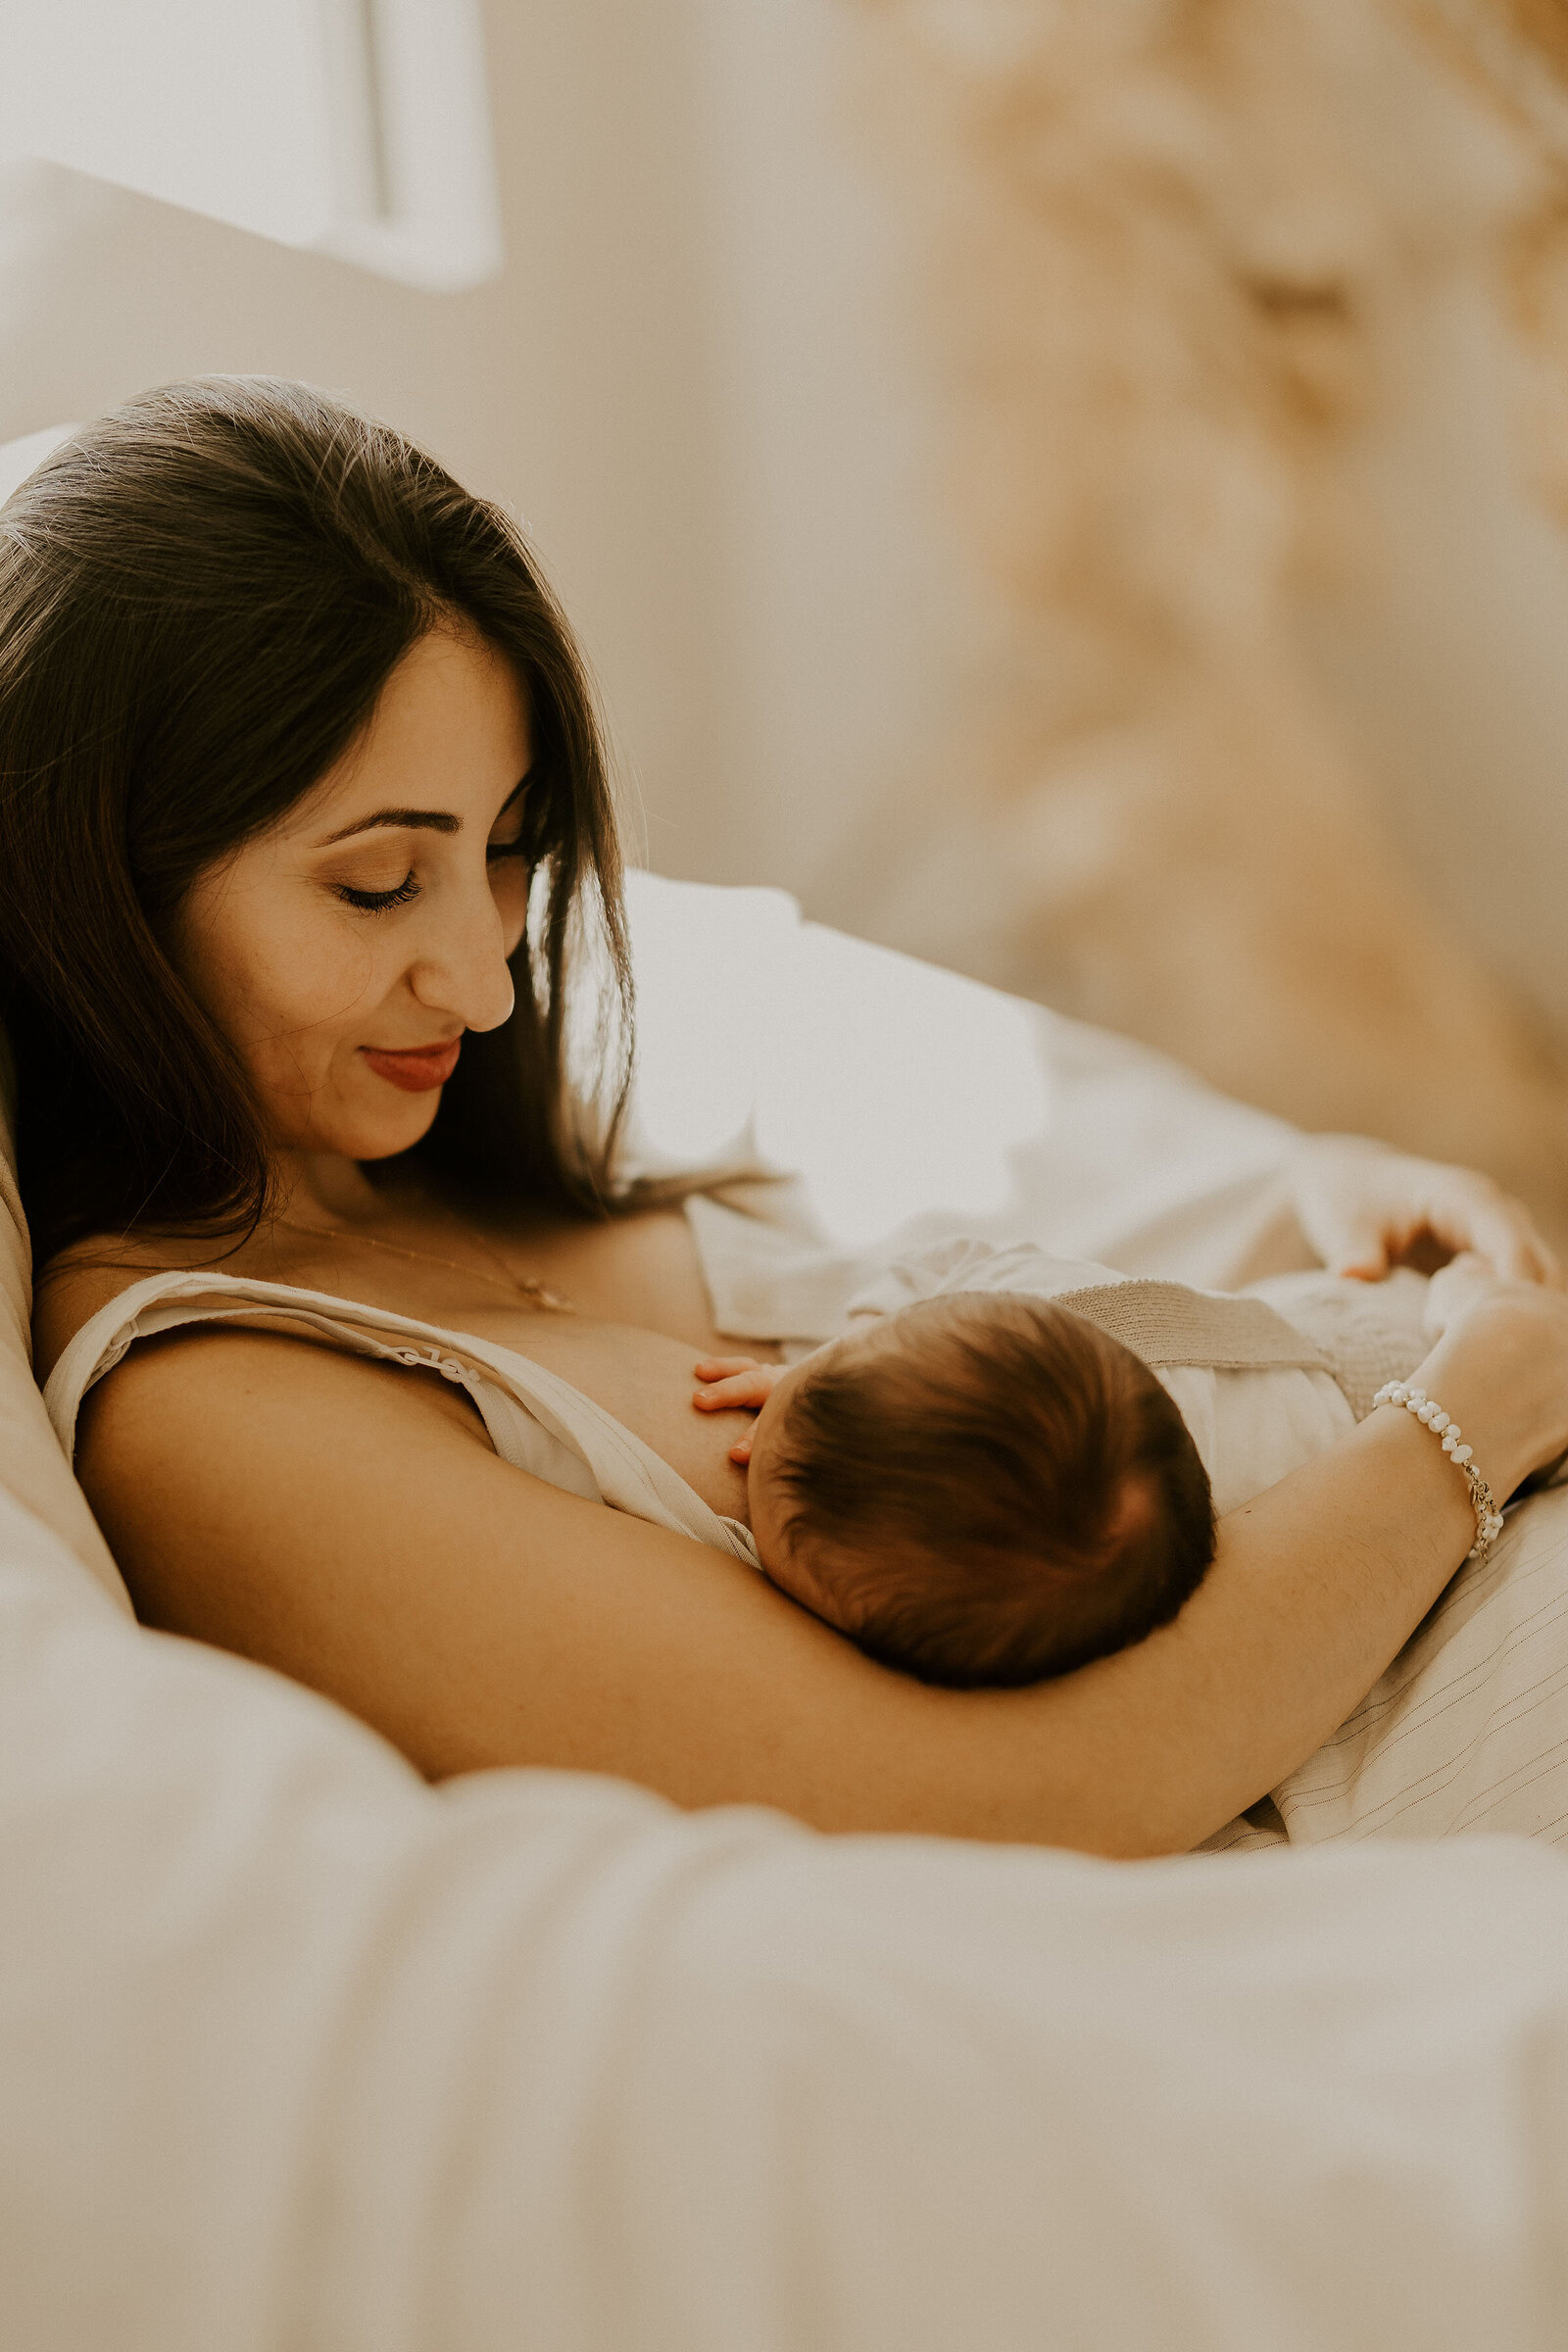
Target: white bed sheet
[[298, 2053]]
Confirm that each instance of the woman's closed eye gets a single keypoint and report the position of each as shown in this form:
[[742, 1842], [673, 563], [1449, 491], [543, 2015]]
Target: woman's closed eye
[[379, 902]]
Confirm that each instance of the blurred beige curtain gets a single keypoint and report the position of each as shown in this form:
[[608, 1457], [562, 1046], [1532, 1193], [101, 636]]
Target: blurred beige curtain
[[1169, 244]]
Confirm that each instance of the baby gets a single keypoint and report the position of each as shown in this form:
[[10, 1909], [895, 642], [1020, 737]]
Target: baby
[[981, 1483], [979, 1489]]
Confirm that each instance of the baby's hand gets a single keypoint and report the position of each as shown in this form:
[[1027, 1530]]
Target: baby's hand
[[735, 1380], [730, 1380]]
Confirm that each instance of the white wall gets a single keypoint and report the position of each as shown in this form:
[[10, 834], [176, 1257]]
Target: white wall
[[678, 381]]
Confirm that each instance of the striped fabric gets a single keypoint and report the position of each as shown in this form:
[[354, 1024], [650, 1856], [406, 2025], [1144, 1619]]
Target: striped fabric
[[1468, 1729]]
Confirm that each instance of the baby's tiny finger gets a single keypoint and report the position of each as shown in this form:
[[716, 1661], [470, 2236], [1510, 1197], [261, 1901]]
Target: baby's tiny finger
[[741, 1388], [741, 1451], [719, 1367]]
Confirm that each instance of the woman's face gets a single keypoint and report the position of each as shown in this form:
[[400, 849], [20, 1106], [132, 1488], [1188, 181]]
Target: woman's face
[[345, 952]]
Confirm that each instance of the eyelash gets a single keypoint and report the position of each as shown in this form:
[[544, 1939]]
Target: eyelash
[[381, 901], [378, 902]]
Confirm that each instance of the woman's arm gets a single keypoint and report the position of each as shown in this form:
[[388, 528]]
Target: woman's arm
[[347, 1523]]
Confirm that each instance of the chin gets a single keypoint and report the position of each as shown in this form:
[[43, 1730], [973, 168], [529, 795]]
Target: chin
[[380, 1138], [399, 1135]]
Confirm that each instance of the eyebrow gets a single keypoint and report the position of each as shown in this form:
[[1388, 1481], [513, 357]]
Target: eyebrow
[[419, 820], [424, 821]]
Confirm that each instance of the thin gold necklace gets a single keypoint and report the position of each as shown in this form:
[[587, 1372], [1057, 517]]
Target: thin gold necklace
[[518, 1286]]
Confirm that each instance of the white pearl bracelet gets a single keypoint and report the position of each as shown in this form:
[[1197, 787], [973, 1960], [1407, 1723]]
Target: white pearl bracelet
[[1489, 1519]]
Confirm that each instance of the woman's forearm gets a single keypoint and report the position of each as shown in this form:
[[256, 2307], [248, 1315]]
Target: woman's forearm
[[1316, 1585]]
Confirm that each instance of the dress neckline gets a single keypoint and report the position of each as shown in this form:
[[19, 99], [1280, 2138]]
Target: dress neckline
[[630, 1475]]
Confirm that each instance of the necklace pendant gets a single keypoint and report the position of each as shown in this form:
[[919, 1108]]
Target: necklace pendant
[[533, 1289]]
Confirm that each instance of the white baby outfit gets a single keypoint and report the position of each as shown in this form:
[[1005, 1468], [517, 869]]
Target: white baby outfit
[[1265, 1380]]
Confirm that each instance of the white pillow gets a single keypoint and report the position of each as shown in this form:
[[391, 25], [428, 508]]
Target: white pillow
[[31, 1465]]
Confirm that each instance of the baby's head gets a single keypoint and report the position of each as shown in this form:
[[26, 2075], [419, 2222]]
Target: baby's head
[[983, 1488]]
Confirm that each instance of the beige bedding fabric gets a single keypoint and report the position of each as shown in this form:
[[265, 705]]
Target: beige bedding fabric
[[32, 1463], [1468, 1729], [298, 2051]]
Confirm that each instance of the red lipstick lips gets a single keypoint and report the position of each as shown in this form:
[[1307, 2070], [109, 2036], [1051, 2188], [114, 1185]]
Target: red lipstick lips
[[417, 1072]]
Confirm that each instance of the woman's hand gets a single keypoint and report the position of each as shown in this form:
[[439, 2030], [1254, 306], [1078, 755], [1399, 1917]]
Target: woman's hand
[[1500, 1370], [1365, 1208], [1454, 1288]]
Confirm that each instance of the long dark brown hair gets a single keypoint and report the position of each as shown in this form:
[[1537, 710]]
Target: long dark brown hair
[[202, 597]]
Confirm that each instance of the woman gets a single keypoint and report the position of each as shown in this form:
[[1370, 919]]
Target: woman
[[302, 811]]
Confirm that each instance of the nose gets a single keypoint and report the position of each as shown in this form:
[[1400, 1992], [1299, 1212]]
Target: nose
[[461, 967]]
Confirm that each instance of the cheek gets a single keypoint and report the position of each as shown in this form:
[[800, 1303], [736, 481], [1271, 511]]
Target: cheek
[[280, 986]]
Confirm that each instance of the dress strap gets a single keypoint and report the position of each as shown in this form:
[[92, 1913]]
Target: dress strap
[[536, 1421], [1359, 1333], [1167, 1324]]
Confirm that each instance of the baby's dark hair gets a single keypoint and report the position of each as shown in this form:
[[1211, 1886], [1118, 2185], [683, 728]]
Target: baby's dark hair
[[992, 1491]]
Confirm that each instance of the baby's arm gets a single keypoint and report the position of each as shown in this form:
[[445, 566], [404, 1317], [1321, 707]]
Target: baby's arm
[[735, 1380]]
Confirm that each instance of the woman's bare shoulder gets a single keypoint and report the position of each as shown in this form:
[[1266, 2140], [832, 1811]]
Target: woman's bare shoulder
[[81, 1280], [348, 1523], [245, 1477]]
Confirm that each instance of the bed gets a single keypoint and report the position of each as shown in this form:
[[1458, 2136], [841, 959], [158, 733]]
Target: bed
[[296, 2051]]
